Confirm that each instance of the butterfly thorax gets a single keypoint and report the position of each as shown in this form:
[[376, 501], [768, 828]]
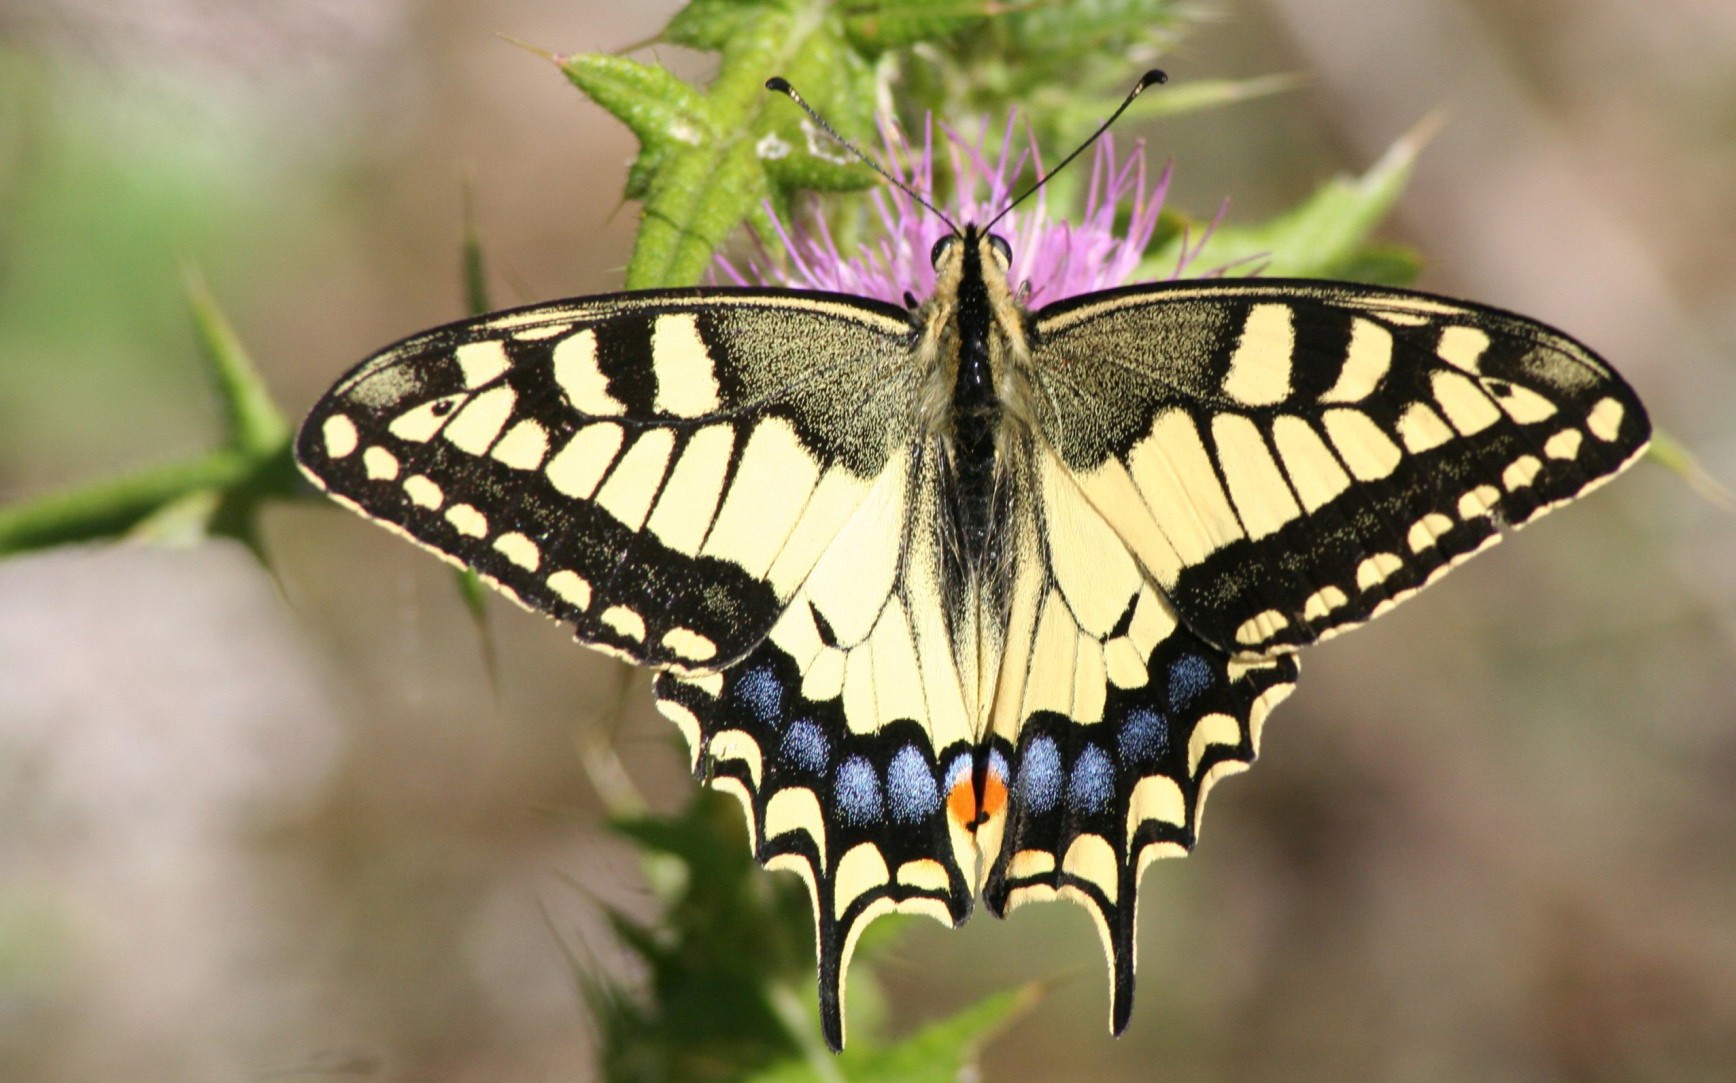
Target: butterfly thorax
[[973, 345]]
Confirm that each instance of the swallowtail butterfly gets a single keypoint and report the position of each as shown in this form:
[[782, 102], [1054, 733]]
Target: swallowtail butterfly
[[969, 598]]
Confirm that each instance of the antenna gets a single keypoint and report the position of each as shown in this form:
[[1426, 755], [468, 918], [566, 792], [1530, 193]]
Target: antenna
[[780, 85], [1150, 78]]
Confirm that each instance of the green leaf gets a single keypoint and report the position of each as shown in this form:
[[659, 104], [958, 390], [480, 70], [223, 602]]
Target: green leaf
[[710, 159], [942, 1052], [475, 269], [252, 423], [1323, 238], [729, 944], [109, 509], [1674, 456], [709, 24], [218, 493], [1054, 62], [878, 26]]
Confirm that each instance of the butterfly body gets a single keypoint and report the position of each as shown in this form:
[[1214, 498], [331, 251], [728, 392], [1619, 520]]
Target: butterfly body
[[965, 598]]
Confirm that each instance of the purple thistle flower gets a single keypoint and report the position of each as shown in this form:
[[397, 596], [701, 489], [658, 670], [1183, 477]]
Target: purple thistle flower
[[1054, 258]]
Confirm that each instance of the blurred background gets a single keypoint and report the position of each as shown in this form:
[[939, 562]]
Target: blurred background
[[258, 828]]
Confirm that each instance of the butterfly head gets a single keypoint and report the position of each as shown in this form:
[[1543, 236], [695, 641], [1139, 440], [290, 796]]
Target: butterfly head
[[971, 255], [951, 248]]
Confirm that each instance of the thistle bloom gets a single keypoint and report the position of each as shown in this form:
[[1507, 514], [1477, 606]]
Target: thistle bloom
[[1052, 258]]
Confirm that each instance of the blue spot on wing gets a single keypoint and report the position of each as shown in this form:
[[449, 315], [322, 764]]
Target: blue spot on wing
[[1040, 774], [910, 786], [1144, 735], [960, 769], [857, 791], [1091, 786], [764, 696], [1189, 676], [805, 745]]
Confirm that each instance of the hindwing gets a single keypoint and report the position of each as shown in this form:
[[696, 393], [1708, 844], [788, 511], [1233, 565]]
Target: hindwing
[[1114, 719], [1290, 458], [660, 469], [849, 734]]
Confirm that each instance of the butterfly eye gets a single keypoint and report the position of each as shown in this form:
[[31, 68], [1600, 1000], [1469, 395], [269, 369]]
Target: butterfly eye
[[941, 248], [1002, 250]]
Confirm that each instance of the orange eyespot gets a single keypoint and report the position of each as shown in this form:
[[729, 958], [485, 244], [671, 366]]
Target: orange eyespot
[[961, 803]]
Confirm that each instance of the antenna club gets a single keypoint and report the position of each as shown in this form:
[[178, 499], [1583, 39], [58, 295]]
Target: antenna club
[[779, 85], [1152, 78]]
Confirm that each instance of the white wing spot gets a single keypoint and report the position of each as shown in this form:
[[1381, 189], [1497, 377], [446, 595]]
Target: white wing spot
[[1028, 863], [859, 871], [467, 520], [1478, 501], [1522, 472], [1310, 464], [1366, 450], [524, 447], [771, 485], [419, 423], [690, 644], [576, 468], [1323, 602], [1564, 444], [1422, 429], [1427, 530], [1376, 569], [1213, 729], [689, 498], [1605, 420], [381, 464], [576, 370], [624, 621], [340, 436], [1091, 858], [1522, 404], [1257, 485], [520, 550], [1259, 629], [1462, 346], [1123, 663], [1174, 474], [1259, 372], [572, 587], [628, 492], [1365, 362], [924, 874], [423, 492], [481, 362], [686, 378], [1466, 405], [478, 424]]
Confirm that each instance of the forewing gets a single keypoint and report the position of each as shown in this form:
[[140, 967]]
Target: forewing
[[1289, 458], [1113, 720], [659, 469]]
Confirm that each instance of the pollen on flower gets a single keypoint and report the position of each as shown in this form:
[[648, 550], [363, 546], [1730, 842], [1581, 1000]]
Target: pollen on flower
[[1053, 258]]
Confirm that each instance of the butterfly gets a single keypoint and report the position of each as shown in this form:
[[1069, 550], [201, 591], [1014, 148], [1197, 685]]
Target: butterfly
[[962, 598]]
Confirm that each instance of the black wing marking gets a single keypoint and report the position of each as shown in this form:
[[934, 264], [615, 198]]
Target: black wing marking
[[660, 469], [1290, 458]]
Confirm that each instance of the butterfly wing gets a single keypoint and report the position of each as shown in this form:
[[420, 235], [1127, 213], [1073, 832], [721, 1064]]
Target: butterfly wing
[[725, 485], [1225, 472], [1289, 459], [1114, 718], [659, 469], [848, 733]]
